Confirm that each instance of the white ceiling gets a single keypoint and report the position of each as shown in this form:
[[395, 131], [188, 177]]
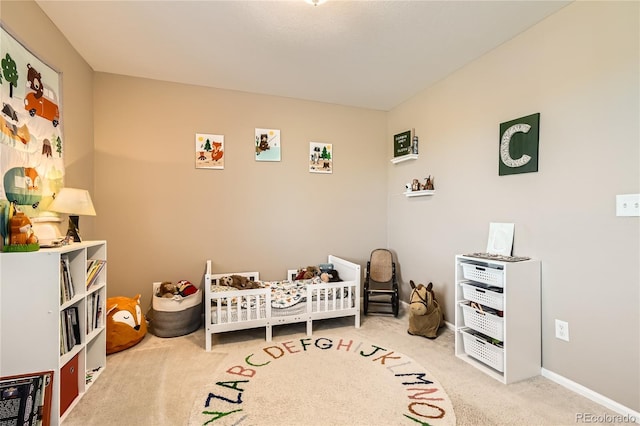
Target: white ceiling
[[371, 54]]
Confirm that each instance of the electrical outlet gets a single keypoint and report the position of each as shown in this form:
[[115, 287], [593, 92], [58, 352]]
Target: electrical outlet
[[628, 205], [562, 330]]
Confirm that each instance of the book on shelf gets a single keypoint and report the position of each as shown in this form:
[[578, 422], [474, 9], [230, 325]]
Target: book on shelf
[[75, 324], [98, 312], [94, 312], [69, 329], [94, 267], [64, 346], [65, 278]]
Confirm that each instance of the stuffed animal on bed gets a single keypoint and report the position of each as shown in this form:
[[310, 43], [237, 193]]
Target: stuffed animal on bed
[[126, 325], [425, 316], [238, 281], [307, 273], [330, 276]]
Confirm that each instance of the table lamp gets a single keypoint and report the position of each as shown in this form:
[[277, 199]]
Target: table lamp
[[75, 202]]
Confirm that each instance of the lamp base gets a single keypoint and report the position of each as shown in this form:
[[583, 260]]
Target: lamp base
[[74, 231]]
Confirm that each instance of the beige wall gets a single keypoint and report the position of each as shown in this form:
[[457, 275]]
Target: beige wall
[[579, 70], [164, 218]]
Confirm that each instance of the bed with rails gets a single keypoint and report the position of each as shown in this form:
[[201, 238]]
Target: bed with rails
[[279, 302]]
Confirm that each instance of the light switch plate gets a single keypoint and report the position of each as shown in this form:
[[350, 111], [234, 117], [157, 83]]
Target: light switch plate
[[628, 205]]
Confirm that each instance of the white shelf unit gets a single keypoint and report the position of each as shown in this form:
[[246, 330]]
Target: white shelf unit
[[30, 320], [403, 158], [518, 355], [422, 193]]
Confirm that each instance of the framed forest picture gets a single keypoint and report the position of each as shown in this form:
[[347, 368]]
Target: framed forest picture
[[209, 151], [320, 157]]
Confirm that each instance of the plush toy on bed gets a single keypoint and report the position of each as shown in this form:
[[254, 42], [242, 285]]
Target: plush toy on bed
[[330, 276], [238, 281], [307, 273], [126, 325], [425, 316]]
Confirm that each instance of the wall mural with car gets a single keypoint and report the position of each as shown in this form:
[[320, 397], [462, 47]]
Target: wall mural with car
[[31, 142]]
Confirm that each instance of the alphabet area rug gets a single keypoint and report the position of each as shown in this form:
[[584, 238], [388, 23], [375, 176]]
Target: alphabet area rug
[[321, 381]]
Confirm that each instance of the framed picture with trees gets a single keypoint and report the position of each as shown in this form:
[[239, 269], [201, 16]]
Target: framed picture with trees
[[209, 151], [320, 157]]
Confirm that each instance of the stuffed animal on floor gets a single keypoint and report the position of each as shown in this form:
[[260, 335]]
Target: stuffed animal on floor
[[126, 325], [167, 289], [238, 281], [425, 316]]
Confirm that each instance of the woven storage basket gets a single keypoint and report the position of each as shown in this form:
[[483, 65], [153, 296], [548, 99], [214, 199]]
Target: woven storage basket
[[483, 351], [175, 317], [485, 323], [483, 296], [483, 274]]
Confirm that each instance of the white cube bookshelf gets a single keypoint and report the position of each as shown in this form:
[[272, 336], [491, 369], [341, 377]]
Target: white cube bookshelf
[[32, 315]]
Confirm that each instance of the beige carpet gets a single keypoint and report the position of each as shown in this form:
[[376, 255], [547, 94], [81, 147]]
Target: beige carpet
[[157, 381], [321, 380]]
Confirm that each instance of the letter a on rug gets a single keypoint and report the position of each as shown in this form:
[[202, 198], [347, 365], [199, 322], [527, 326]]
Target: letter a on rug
[[321, 381]]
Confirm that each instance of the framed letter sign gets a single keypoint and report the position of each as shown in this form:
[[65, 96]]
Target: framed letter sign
[[519, 140]]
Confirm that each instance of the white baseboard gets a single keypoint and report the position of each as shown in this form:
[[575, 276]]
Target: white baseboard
[[627, 414]]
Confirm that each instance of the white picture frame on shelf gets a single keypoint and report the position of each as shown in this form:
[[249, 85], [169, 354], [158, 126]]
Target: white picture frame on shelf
[[500, 239]]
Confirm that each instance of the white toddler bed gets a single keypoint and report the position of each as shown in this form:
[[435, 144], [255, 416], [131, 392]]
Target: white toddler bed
[[280, 302]]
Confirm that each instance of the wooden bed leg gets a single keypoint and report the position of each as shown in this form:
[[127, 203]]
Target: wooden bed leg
[[208, 341], [309, 327]]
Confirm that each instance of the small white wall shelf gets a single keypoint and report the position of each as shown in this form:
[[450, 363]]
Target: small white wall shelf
[[402, 158], [419, 193]]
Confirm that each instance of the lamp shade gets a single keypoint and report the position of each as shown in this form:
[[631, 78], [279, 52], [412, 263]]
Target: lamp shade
[[73, 201]]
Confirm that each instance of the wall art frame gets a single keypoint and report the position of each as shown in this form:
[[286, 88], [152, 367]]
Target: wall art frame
[[267, 145], [209, 151], [320, 157], [519, 145]]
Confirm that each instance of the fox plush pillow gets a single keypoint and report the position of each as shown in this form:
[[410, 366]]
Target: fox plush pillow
[[126, 325]]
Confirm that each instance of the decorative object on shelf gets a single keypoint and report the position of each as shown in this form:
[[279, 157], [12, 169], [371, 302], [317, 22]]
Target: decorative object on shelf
[[75, 202], [519, 141], [500, 239], [209, 151], [18, 233], [425, 315], [402, 143], [126, 325], [267, 144], [320, 157], [415, 185], [414, 145]]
